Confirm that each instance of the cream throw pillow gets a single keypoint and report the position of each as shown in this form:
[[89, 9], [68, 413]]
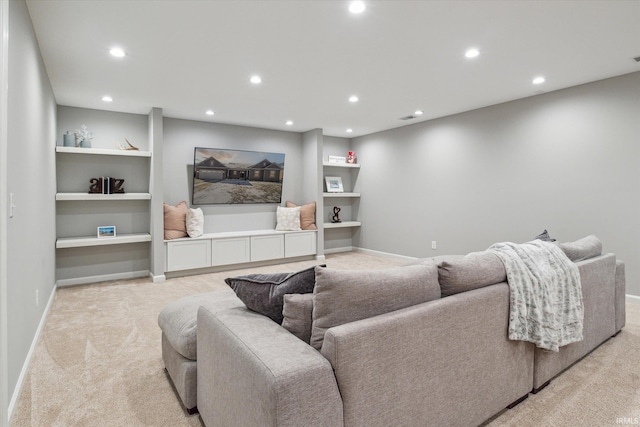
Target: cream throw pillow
[[288, 219], [195, 222]]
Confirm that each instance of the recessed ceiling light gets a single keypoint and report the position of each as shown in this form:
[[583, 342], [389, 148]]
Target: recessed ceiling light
[[209, 113], [418, 112], [289, 123], [357, 7], [107, 98], [353, 98], [538, 80], [472, 53], [117, 52], [256, 80], [349, 130]]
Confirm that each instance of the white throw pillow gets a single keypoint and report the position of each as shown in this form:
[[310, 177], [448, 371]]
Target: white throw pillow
[[195, 222], [288, 219]]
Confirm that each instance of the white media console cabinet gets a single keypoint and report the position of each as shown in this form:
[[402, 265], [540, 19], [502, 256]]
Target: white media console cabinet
[[220, 249]]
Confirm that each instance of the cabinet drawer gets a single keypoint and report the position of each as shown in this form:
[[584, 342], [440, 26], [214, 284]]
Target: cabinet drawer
[[299, 244], [185, 255], [230, 251], [267, 247]]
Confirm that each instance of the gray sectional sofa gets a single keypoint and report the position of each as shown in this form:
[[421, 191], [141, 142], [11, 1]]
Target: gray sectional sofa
[[425, 344]]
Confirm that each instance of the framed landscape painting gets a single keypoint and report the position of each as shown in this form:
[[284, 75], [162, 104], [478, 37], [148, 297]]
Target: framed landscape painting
[[222, 176]]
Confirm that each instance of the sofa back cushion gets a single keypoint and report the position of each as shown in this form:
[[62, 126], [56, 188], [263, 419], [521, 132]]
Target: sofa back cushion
[[343, 296], [475, 270], [585, 248], [298, 315]]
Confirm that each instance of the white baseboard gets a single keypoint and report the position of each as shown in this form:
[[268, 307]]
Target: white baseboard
[[102, 278], [384, 254], [632, 299], [27, 363], [339, 250], [157, 279]]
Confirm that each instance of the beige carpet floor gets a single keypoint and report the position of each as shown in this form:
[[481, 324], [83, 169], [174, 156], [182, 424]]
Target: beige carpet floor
[[98, 361]]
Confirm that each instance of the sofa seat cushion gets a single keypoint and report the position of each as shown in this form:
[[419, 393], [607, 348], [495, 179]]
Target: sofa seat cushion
[[178, 319], [264, 293], [343, 296], [474, 270]]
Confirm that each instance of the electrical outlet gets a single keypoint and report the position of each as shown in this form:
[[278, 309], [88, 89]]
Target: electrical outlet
[[433, 244], [37, 299]]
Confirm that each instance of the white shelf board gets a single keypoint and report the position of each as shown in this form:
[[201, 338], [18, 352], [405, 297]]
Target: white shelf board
[[98, 196], [341, 165], [79, 242], [103, 151], [343, 224], [341, 194]]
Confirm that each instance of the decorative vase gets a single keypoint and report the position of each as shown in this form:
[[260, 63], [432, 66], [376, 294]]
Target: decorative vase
[[69, 139], [85, 143]]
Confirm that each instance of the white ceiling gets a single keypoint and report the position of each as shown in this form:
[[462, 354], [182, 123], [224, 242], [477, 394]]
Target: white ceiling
[[398, 56]]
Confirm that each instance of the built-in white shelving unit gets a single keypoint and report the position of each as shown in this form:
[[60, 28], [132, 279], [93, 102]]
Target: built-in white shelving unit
[[343, 224], [338, 195], [348, 200], [82, 257], [79, 242], [98, 196], [103, 151]]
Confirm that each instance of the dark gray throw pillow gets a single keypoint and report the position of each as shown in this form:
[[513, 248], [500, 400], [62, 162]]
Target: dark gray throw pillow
[[544, 236], [264, 293]]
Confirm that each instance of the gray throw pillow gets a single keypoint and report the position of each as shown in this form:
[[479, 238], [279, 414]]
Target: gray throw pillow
[[298, 315], [264, 293], [585, 248], [475, 270], [343, 296]]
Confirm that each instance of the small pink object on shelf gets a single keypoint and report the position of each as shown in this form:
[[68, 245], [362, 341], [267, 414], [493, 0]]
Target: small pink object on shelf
[[351, 157]]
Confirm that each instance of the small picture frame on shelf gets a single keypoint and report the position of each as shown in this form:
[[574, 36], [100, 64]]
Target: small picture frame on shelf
[[334, 184], [106, 231], [337, 159]]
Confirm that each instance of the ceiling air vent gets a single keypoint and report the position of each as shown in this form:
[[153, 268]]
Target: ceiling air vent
[[408, 117]]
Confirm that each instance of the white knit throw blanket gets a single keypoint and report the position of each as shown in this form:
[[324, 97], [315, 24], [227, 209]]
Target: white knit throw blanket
[[546, 296]]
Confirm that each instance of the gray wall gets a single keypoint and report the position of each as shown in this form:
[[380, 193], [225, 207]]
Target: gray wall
[[566, 161], [31, 178], [180, 139]]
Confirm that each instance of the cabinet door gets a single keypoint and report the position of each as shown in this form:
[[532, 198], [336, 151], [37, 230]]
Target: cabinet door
[[185, 255], [230, 251], [299, 244], [267, 247]]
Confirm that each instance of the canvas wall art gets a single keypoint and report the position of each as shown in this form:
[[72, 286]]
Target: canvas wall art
[[222, 176]]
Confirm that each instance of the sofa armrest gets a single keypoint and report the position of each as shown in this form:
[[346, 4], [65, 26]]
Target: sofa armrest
[[409, 367], [252, 372], [621, 290]]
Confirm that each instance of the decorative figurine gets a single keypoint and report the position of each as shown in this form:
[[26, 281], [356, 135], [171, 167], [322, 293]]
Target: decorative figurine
[[83, 137], [130, 146], [336, 215]]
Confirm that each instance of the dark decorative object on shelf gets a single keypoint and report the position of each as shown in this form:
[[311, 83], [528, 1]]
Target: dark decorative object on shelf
[[336, 215], [106, 185]]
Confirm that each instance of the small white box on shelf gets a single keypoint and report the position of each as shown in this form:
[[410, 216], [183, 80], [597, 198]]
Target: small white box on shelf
[[337, 159]]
